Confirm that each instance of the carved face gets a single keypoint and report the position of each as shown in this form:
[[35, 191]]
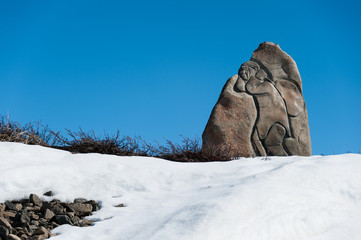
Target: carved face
[[248, 69], [246, 72]]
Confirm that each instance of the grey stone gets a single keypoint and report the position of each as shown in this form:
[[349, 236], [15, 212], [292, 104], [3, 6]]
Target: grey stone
[[75, 220], [63, 219], [94, 205], [18, 206], [24, 217], [48, 214], [23, 236], [43, 232], [3, 232], [49, 194], [34, 222], [36, 200], [32, 229], [34, 216], [80, 200], [261, 111], [4, 222], [81, 209], [57, 209], [37, 237], [10, 206], [43, 221], [86, 222], [12, 237], [2, 207], [8, 214], [230, 125], [46, 205]]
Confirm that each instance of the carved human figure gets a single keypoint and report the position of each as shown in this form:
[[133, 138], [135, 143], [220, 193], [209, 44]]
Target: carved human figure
[[272, 125]]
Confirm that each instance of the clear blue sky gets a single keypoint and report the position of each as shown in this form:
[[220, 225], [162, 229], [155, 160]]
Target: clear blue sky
[[156, 68]]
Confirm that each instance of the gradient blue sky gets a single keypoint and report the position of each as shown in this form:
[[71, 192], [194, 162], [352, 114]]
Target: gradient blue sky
[[156, 68]]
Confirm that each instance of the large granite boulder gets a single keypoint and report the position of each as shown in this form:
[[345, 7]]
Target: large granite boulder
[[261, 110]]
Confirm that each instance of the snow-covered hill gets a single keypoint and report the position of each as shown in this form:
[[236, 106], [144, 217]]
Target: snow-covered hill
[[287, 198]]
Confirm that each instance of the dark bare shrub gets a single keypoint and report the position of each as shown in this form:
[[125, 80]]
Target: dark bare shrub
[[190, 150], [89, 142], [31, 133]]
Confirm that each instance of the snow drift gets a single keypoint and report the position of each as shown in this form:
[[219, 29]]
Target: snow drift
[[311, 198]]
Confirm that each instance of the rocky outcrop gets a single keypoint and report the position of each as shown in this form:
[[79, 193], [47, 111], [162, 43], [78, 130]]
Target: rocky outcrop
[[34, 219], [261, 110]]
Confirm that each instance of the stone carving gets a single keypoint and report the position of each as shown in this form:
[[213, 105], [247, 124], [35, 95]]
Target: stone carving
[[261, 110]]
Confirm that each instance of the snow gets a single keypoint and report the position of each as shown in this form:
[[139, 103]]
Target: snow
[[313, 198]]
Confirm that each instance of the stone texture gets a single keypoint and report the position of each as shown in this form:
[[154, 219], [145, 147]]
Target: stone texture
[[24, 217], [85, 222], [49, 194], [8, 214], [30, 221], [3, 232], [80, 200], [4, 222], [94, 205], [81, 209], [261, 111], [36, 200], [42, 231], [10, 206], [63, 219], [12, 237], [48, 214], [229, 127]]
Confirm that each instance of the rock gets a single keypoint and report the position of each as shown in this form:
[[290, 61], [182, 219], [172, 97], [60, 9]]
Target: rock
[[81, 209], [43, 221], [38, 237], [36, 200], [18, 206], [48, 214], [42, 231], [24, 217], [49, 194], [94, 205], [80, 200], [34, 216], [70, 214], [32, 229], [3, 232], [23, 236], [229, 127], [75, 220], [261, 111], [120, 205], [63, 219], [10, 206], [33, 222], [86, 222], [4, 222], [46, 205], [8, 214], [12, 237], [54, 224], [2, 207], [57, 209]]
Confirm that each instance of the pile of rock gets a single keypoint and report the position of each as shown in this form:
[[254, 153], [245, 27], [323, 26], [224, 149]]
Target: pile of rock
[[33, 218]]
